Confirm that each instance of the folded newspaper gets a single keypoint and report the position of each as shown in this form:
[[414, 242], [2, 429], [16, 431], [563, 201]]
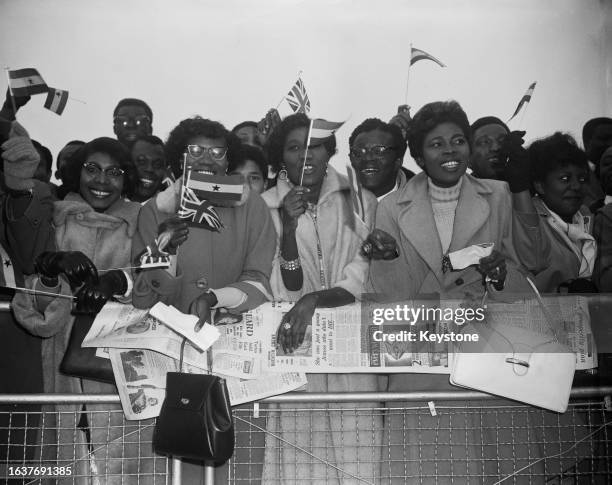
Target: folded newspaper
[[142, 349], [141, 380]]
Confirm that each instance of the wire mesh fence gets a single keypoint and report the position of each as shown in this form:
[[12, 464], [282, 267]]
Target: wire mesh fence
[[77, 444], [323, 442], [404, 443]]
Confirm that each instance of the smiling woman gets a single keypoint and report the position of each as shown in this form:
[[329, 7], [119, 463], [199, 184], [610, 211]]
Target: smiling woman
[[560, 175], [438, 212], [317, 264], [224, 266], [94, 223]]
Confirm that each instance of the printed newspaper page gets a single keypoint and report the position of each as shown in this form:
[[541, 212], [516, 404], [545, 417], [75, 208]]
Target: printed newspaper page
[[123, 326], [338, 341], [141, 380], [566, 316]]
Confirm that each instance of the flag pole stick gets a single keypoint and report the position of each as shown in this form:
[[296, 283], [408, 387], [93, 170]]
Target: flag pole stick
[[39, 292], [284, 96], [77, 100], [8, 78], [408, 76], [306, 151]]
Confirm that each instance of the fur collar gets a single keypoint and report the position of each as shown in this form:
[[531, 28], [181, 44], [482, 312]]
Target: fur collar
[[122, 211]]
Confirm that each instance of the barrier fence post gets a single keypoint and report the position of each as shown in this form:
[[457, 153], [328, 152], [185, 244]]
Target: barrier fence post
[[176, 471], [209, 474]]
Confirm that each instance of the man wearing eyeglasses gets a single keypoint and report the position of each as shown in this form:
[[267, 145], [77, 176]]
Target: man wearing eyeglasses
[[376, 153], [132, 118]]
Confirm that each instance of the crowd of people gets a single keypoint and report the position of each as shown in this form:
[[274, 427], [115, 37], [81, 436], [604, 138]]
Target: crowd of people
[[295, 233]]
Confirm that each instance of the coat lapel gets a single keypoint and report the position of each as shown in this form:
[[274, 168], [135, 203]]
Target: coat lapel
[[417, 224], [472, 213]]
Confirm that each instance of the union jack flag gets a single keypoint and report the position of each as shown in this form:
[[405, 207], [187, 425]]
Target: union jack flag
[[199, 212], [298, 99]]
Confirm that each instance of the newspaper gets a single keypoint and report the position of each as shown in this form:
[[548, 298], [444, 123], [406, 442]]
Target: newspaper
[[567, 318], [336, 342], [123, 326], [140, 376], [346, 339]]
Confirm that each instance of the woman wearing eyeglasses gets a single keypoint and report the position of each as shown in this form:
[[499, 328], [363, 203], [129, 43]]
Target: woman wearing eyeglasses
[[94, 226], [225, 263], [317, 264]]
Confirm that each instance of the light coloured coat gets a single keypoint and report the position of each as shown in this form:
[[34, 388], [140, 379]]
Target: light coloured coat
[[106, 238]]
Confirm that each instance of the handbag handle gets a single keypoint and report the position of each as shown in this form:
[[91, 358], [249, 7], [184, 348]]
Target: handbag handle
[[208, 357]]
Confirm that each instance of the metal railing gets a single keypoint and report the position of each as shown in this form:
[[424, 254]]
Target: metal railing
[[358, 437]]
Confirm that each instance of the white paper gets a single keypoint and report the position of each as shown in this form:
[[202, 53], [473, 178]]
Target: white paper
[[184, 325]]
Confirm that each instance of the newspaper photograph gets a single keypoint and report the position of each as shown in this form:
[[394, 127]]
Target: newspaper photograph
[[140, 376]]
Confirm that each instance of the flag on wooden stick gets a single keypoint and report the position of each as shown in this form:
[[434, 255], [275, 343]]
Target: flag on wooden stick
[[56, 100], [25, 82], [298, 98], [202, 191], [321, 129], [199, 212], [417, 55]]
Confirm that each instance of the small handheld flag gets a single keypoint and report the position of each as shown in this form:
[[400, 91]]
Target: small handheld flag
[[417, 55], [56, 100], [200, 213], [25, 82], [321, 129], [298, 98], [524, 100], [356, 193], [201, 191], [215, 187], [420, 55]]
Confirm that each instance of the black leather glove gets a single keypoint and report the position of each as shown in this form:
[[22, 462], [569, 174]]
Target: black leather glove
[[92, 297], [517, 170], [77, 267], [171, 234], [9, 106]]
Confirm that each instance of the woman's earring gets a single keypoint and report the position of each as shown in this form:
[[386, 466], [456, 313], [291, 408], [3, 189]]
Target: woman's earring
[[282, 174]]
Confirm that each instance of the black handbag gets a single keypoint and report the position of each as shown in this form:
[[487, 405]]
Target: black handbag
[[82, 361], [195, 421]]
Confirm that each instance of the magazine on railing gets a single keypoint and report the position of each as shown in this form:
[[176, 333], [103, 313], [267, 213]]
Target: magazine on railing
[[141, 380]]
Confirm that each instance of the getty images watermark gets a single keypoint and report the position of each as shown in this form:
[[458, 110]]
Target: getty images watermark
[[412, 315]]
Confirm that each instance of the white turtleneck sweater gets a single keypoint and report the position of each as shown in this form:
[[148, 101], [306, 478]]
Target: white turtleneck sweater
[[444, 202]]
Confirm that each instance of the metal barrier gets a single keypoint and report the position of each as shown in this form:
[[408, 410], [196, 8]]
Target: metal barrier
[[361, 438]]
